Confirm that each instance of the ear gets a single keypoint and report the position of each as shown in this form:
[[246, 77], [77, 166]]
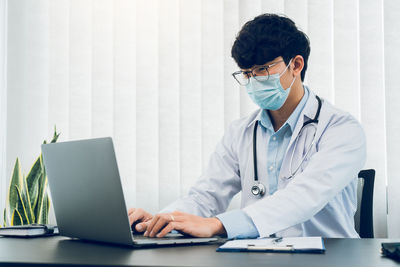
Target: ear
[[297, 65]]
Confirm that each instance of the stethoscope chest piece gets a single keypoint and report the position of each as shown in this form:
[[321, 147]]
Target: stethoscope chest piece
[[258, 189]]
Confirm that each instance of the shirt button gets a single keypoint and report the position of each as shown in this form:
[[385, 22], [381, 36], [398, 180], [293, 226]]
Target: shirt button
[[274, 138], [271, 168]]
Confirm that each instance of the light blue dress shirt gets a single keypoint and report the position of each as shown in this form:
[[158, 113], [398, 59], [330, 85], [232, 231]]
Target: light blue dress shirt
[[237, 223]]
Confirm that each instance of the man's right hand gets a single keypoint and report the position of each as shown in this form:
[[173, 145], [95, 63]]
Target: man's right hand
[[139, 218]]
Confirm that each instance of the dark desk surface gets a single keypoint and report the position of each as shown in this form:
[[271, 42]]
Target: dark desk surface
[[64, 251]]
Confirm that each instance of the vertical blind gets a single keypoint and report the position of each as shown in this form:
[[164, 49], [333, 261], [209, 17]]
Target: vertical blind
[[3, 101], [155, 75]]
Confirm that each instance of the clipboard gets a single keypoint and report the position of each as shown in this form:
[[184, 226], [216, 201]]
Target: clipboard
[[276, 245]]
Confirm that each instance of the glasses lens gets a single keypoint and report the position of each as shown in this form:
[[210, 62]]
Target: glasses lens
[[261, 73], [241, 77]]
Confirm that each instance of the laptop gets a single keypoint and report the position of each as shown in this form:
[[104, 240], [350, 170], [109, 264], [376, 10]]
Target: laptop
[[87, 195]]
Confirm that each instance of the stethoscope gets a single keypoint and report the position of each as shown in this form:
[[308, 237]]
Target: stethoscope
[[258, 189]]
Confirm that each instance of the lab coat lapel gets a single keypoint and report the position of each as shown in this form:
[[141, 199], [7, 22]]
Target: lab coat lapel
[[309, 111]]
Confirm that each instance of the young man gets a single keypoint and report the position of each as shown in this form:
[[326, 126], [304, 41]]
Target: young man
[[295, 160]]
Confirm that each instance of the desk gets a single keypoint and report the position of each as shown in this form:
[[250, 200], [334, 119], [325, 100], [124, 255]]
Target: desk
[[52, 251]]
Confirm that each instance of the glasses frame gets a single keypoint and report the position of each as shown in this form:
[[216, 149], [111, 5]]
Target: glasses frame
[[247, 73]]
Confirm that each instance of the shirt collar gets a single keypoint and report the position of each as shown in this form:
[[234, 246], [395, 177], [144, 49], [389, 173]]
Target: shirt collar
[[294, 117], [265, 120]]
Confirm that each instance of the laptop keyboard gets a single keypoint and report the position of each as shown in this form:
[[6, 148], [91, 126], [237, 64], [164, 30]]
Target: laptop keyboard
[[170, 239], [167, 237]]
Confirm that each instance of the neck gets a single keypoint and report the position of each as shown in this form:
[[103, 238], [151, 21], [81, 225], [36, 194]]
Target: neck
[[280, 116]]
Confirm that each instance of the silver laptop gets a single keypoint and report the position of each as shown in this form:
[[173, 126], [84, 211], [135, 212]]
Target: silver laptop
[[88, 198]]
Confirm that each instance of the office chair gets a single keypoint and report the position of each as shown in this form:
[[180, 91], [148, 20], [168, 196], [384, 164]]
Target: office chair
[[363, 218]]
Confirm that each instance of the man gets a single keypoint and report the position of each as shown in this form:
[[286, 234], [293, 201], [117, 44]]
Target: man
[[299, 179]]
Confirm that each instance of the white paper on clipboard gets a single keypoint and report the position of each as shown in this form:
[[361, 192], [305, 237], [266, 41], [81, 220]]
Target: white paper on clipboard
[[289, 244]]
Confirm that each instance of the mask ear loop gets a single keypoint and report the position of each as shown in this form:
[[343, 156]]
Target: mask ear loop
[[285, 71], [280, 75], [292, 82]]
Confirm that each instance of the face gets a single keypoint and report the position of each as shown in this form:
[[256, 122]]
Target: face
[[278, 66]]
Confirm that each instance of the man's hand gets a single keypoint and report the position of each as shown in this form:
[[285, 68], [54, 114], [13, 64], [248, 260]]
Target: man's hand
[[139, 216], [162, 224]]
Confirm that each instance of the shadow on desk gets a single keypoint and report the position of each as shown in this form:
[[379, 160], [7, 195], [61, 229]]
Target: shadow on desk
[[219, 242], [76, 250]]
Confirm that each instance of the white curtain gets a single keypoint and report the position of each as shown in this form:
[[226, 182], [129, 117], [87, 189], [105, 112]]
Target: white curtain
[[3, 103], [155, 75]]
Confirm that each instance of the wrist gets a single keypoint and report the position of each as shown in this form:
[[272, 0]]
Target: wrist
[[218, 227]]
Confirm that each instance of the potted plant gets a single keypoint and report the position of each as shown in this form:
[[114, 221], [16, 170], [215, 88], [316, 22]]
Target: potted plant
[[27, 200]]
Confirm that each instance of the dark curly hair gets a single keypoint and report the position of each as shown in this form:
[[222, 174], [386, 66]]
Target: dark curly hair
[[269, 36]]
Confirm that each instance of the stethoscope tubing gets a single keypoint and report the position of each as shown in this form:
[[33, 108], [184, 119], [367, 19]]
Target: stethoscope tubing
[[292, 174]]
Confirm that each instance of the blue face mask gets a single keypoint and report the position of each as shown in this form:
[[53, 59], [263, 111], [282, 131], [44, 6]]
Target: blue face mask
[[268, 93]]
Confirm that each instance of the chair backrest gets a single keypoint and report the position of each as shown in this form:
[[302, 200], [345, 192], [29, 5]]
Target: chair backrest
[[363, 219]]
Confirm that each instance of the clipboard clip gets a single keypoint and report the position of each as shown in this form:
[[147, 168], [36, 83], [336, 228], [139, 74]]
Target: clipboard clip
[[266, 248], [277, 240]]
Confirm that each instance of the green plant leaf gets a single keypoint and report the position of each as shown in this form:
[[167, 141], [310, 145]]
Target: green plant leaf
[[16, 179], [21, 207], [15, 182], [55, 136], [42, 190], [27, 202], [5, 220], [32, 181], [16, 218], [44, 207], [44, 216]]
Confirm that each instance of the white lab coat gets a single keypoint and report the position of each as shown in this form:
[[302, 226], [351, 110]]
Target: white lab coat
[[319, 201]]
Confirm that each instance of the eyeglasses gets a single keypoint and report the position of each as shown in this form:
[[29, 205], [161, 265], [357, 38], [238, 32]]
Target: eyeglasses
[[242, 77]]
